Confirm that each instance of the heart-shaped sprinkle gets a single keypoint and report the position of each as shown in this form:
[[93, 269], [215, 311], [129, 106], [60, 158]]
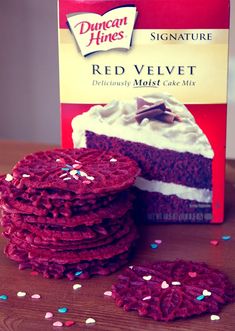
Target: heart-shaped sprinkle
[[21, 294], [36, 296], [108, 293], [131, 267], [146, 298], [214, 242], [77, 286], [164, 285], [62, 310], [48, 315], [78, 273], [226, 237], [158, 241], [57, 323], [25, 175], [9, 178], [200, 297], [3, 297], [69, 323], [206, 293], [113, 160], [215, 318], [176, 283], [90, 320], [147, 277], [192, 274], [154, 245]]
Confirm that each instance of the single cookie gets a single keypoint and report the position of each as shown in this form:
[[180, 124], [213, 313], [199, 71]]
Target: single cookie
[[168, 290]]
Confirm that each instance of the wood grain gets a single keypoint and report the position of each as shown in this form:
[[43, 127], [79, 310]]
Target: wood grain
[[179, 241]]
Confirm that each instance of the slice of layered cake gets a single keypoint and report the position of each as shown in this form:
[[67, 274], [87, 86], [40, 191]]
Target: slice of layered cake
[[172, 151]]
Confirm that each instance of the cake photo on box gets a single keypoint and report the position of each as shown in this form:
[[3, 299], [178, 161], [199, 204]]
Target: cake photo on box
[[174, 154]]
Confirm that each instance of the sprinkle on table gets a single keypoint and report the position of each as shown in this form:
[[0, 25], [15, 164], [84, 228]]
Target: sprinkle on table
[[206, 293], [48, 315], [3, 297], [192, 274], [77, 286], [214, 242], [148, 277], [158, 241], [21, 294], [164, 285], [176, 283], [58, 323], [34, 273], [108, 293], [62, 310], [154, 245], [69, 323], [215, 318], [90, 320], [226, 237], [36, 296]]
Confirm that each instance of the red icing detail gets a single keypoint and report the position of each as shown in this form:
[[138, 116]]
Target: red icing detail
[[170, 14]]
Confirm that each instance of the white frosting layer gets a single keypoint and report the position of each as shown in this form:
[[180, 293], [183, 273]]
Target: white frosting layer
[[117, 119], [181, 191]]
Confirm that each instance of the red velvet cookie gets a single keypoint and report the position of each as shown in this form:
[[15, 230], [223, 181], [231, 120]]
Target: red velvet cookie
[[168, 290]]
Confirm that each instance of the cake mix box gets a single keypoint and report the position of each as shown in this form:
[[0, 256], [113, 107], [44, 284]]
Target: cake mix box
[[149, 79]]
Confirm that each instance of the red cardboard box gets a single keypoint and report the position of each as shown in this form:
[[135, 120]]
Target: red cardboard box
[[149, 79]]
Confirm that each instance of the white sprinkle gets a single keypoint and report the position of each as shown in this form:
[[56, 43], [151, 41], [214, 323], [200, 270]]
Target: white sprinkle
[[108, 293], [9, 178], [206, 293], [25, 175], [83, 174], [63, 175], [147, 298], [176, 283], [57, 160], [215, 318], [90, 320], [73, 172], [131, 267], [147, 277], [21, 294], [67, 178], [164, 285], [113, 160], [90, 177], [77, 161], [77, 286]]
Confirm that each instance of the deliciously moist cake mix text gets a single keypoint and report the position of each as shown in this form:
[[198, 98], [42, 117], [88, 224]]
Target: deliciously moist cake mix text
[[149, 80]]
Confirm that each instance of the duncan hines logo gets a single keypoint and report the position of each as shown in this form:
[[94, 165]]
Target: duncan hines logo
[[94, 32]]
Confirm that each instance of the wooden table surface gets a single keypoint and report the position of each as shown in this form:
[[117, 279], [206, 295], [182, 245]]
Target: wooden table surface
[[190, 242]]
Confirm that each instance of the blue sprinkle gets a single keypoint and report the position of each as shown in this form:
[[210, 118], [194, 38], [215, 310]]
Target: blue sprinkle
[[78, 172], [63, 310], [3, 297], [65, 169], [78, 273], [154, 246], [226, 237], [200, 297]]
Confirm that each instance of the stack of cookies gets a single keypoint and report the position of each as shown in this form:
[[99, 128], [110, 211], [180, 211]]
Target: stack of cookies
[[67, 212]]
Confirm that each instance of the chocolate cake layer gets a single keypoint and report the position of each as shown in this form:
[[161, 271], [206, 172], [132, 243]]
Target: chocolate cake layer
[[159, 164]]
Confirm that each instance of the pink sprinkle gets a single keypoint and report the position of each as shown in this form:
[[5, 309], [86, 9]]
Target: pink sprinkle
[[48, 315], [76, 177], [192, 274], [86, 182], [36, 296], [61, 176], [108, 293], [214, 242], [77, 166], [57, 323], [158, 241]]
